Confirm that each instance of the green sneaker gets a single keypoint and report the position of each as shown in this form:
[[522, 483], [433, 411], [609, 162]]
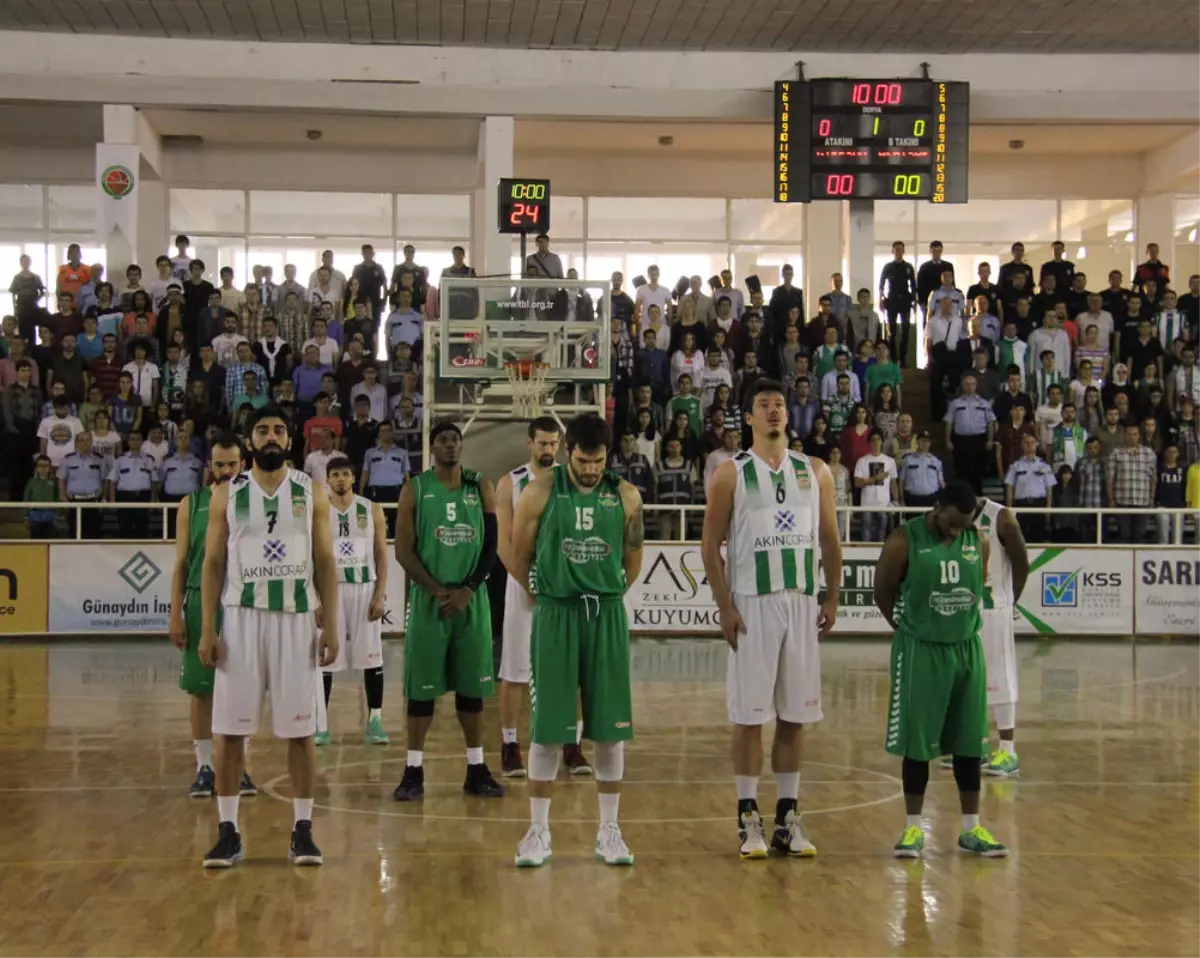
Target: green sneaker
[[321, 738], [1002, 764], [911, 843], [375, 735], [979, 841]]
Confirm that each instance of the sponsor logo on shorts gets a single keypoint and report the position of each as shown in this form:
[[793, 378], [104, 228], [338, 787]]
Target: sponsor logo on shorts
[[583, 551], [274, 550], [952, 602], [301, 718], [622, 724]]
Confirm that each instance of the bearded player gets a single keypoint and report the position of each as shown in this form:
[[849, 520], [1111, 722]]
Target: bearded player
[[196, 678], [543, 442], [359, 532], [772, 509], [577, 544], [268, 565]]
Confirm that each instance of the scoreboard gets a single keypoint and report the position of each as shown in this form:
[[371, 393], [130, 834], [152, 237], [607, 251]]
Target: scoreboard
[[871, 139]]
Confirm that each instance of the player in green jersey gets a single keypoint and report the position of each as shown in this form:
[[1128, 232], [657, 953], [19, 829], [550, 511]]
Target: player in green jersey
[[935, 565], [195, 677], [446, 543], [577, 543]]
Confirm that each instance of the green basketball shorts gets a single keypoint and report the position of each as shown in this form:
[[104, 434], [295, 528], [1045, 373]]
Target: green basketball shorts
[[447, 655], [579, 652], [938, 704], [195, 677]]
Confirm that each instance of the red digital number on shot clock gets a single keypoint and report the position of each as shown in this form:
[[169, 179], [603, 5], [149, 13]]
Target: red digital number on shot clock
[[524, 213], [877, 94]]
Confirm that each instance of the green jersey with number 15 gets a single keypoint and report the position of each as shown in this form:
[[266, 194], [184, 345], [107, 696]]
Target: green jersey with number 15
[[581, 539]]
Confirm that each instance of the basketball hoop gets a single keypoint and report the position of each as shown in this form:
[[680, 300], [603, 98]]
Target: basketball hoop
[[528, 380]]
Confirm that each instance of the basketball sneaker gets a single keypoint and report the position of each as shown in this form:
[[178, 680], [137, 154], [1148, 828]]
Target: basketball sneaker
[[205, 783], [979, 841], [479, 782], [752, 835], [534, 850], [947, 761], [911, 843], [228, 848], [511, 764], [790, 839], [321, 739], [610, 846], [412, 785], [1002, 764], [375, 735], [247, 789], [576, 762], [303, 850]]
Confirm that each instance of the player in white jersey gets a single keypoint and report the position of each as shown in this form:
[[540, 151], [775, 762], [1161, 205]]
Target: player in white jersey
[[1008, 568], [774, 510], [268, 564], [542, 441], [359, 532]]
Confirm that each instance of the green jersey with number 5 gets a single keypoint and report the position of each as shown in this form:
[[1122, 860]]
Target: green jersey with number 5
[[449, 526], [581, 539], [942, 589]]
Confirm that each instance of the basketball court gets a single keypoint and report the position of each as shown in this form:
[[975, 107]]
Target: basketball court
[[103, 846]]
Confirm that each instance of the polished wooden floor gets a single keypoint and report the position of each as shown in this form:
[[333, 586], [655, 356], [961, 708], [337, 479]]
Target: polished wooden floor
[[101, 847]]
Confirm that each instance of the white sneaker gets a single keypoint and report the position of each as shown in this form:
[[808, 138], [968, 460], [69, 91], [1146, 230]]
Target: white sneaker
[[534, 850], [790, 838], [754, 839], [610, 846]]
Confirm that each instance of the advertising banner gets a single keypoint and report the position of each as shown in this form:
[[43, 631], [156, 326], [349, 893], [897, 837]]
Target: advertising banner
[[1078, 592], [102, 587], [23, 589], [1168, 590]]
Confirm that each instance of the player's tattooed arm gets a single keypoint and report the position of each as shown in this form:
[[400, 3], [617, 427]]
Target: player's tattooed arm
[[634, 533]]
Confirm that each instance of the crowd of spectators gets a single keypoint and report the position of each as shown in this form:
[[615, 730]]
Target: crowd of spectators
[[116, 394]]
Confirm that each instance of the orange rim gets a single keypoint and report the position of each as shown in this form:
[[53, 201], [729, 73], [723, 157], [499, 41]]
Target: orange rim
[[525, 367]]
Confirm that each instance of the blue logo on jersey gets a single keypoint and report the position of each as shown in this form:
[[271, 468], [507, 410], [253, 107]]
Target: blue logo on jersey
[[273, 550], [785, 520], [1060, 589], [346, 548]]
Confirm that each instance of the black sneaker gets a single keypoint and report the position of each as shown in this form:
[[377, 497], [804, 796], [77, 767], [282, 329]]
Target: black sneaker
[[479, 782], [575, 760], [247, 789], [412, 785], [205, 783], [303, 850], [227, 850]]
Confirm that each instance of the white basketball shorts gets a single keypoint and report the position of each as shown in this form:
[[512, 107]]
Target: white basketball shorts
[[360, 641], [776, 670], [518, 626], [263, 652], [1000, 656]]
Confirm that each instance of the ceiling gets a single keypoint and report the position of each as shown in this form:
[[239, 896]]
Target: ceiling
[[932, 26]]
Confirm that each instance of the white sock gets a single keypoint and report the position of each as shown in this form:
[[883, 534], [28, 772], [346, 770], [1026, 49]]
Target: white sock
[[414, 759], [302, 809], [579, 731], [373, 714], [1008, 745], [609, 803], [539, 811], [203, 753], [910, 820], [227, 808], [787, 785], [475, 755], [508, 736], [747, 787], [969, 822]]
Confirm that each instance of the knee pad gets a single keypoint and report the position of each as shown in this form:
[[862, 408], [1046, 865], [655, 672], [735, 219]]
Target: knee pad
[[967, 774], [543, 762], [420, 709], [608, 761], [464, 704]]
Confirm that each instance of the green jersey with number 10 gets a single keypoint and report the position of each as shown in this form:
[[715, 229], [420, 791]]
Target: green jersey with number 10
[[943, 587]]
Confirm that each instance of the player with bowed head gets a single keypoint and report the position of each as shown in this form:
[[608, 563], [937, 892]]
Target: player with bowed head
[[774, 510], [543, 440], [196, 678], [446, 543], [935, 565], [577, 543], [359, 532], [268, 564]]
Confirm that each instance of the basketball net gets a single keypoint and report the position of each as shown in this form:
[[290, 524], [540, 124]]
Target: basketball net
[[527, 378]]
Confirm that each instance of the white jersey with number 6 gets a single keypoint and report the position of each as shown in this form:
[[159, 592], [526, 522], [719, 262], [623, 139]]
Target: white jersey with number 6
[[518, 610]]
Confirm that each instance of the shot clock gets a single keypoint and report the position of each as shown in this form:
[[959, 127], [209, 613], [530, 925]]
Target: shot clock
[[871, 139], [523, 206]]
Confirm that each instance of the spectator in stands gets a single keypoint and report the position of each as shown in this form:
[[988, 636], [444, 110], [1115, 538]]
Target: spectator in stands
[[68, 319], [920, 473], [862, 320], [633, 467], [374, 391], [335, 281], [947, 290], [362, 431], [943, 330], [27, 290], [903, 441], [158, 288], [90, 343], [72, 275], [323, 419], [839, 408], [1049, 414], [1118, 385], [1132, 475], [819, 441], [701, 306], [647, 435], [801, 371], [675, 484], [1011, 434], [1060, 269], [41, 486], [1015, 267], [824, 357], [197, 296], [1047, 376], [1093, 351], [372, 280], [1029, 484], [87, 410], [970, 432], [839, 306], [929, 278], [855, 438], [327, 348], [81, 478], [885, 413], [317, 461], [830, 380], [106, 441], [21, 403], [1055, 340], [972, 341], [1152, 271], [713, 437], [1091, 413], [70, 369], [897, 295], [712, 376], [875, 475], [1144, 350], [225, 345], [805, 409], [133, 478], [235, 373], [863, 361], [232, 298], [843, 491], [1189, 305], [784, 298], [1047, 300], [273, 353], [1067, 440], [1169, 494], [987, 380]]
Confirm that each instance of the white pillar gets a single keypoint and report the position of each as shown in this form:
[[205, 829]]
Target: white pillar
[[1154, 222], [860, 234], [823, 249], [131, 196], [491, 251]]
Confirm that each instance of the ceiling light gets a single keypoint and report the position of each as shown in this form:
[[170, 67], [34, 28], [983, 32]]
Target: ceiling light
[[1082, 253], [1129, 237], [1192, 236]]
